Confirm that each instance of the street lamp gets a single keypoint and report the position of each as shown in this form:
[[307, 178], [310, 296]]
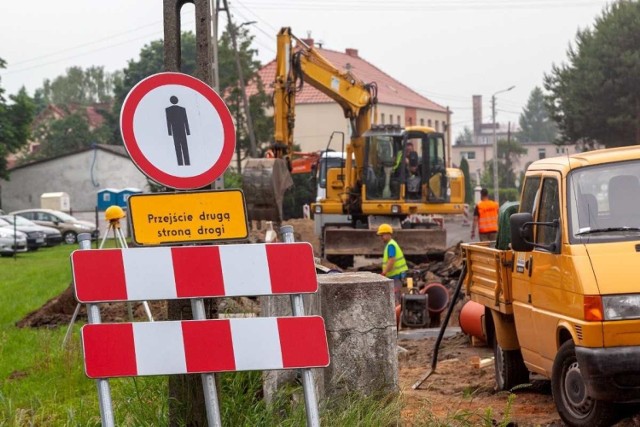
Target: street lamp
[[495, 144]]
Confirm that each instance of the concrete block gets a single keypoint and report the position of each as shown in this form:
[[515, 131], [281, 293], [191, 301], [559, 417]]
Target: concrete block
[[358, 309]]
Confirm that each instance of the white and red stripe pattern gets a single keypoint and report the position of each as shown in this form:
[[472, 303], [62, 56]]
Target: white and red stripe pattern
[[202, 346], [140, 274]]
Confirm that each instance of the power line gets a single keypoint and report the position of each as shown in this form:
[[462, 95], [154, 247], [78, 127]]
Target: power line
[[12, 71], [411, 6], [83, 45], [260, 18]]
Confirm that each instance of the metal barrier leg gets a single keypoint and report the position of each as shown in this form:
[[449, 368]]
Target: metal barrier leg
[[70, 327], [308, 384], [208, 380], [104, 391]]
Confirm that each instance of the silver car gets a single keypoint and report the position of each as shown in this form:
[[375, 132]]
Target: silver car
[[52, 236], [69, 226], [10, 242]]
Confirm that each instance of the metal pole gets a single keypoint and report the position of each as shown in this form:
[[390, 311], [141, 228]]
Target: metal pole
[[93, 313], [208, 380], [297, 308], [215, 7], [496, 195], [496, 189]]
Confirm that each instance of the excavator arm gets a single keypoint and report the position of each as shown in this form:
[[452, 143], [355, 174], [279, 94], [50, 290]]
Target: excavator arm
[[306, 64]]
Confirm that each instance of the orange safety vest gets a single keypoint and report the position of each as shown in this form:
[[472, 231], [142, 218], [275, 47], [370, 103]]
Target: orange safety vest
[[487, 216]]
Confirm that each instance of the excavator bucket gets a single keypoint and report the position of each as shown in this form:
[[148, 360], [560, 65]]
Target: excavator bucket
[[264, 182], [352, 241]]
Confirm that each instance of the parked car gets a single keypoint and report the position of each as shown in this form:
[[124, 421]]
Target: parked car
[[10, 241], [53, 236], [69, 226], [35, 238]]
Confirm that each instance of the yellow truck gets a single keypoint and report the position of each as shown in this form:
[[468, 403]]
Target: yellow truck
[[564, 300]]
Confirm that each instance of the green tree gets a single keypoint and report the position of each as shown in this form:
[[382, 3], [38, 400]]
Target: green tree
[[468, 187], [535, 123], [595, 96], [465, 137], [64, 135], [509, 151], [15, 121], [78, 86]]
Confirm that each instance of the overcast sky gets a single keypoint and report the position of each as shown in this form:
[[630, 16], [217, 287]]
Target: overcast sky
[[447, 50]]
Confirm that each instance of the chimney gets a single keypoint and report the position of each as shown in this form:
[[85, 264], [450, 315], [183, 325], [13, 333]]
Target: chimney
[[308, 41], [351, 52], [477, 117]]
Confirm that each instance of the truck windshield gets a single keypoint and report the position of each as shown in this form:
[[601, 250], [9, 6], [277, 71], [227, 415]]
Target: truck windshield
[[604, 202]]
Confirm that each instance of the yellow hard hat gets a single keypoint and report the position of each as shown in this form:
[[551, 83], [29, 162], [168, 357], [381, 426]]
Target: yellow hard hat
[[384, 229], [114, 213]]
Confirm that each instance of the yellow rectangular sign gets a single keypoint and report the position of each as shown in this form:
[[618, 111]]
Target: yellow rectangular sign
[[202, 216]]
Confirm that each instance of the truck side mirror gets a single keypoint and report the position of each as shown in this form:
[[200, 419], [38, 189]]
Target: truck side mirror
[[521, 232]]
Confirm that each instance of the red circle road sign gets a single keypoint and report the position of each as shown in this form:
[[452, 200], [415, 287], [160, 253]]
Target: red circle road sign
[[177, 130]]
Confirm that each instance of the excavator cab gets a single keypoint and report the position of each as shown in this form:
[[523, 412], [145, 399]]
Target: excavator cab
[[405, 164]]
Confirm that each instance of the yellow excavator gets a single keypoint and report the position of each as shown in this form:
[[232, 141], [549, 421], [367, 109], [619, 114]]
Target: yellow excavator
[[392, 175]]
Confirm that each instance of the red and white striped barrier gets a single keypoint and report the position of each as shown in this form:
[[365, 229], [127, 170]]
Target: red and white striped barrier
[[139, 274], [199, 346]]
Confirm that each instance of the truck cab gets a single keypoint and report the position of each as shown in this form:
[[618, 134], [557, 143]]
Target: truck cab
[[568, 306]]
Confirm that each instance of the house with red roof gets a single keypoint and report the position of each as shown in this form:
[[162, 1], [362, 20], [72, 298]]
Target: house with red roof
[[317, 115]]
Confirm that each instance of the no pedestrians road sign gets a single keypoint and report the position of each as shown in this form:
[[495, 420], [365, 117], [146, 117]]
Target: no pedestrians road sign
[[177, 130]]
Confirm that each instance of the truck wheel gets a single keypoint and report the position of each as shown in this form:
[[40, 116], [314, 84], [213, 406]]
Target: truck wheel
[[510, 368], [575, 406]]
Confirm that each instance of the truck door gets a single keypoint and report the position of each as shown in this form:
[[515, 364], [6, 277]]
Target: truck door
[[537, 279], [545, 272], [521, 279]]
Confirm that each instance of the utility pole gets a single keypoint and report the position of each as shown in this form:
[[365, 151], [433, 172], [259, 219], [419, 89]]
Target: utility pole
[[215, 8], [496, 187], [245, 101]]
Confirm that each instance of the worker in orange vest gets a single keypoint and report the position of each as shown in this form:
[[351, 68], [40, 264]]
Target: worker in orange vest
[[485, 218]]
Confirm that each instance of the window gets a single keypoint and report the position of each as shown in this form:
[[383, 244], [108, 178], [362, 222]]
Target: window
[[399, 120], [437, 126], [421, 122], [429, 122], [549, 211], [541, 153], [485, 140], [410, 120], [531, 185], [469, 155], [382, 118]]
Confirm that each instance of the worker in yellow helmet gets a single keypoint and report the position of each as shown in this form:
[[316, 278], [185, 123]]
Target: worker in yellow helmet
[[394, 266]]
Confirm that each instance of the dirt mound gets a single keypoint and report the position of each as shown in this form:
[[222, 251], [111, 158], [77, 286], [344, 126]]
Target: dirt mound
[[59, 311]]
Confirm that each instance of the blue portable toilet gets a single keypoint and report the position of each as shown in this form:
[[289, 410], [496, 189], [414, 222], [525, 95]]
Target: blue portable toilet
[[107, 197], [123, 196]]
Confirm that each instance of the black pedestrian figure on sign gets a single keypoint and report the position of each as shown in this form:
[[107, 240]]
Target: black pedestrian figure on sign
[[178, 127]]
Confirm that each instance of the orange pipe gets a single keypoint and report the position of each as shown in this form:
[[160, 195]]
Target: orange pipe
[[438, 297], [472, 319]]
